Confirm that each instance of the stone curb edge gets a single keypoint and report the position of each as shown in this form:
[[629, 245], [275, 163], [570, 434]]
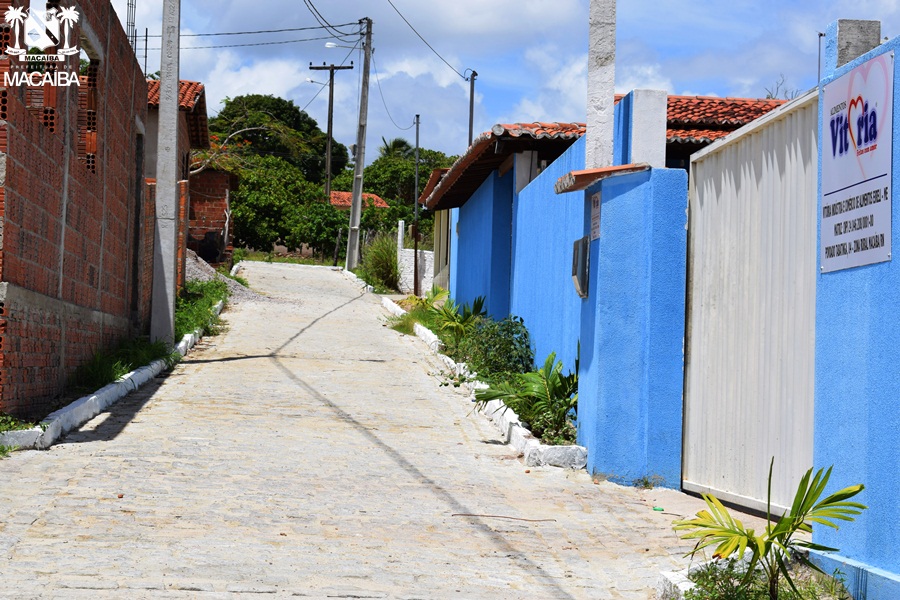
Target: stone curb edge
[[534, 453], [79, 412]]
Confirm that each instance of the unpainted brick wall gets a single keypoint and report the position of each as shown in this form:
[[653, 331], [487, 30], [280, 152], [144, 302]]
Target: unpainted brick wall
[[209, 204], [68, 215]]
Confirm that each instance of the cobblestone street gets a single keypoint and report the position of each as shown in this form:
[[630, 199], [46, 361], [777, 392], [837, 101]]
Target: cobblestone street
[[310, 451]]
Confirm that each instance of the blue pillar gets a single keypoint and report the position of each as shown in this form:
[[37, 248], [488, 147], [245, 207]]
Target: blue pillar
[[632, 362], [857, 402]]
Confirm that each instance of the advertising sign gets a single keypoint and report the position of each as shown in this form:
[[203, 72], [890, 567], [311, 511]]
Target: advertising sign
[[856, 166]]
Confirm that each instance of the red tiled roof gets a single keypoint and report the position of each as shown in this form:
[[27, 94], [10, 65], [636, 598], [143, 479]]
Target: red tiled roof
[[489, 150], [191, 100], [707, 110], [189, 93], [704, 119], [689, 120], [343, 200]]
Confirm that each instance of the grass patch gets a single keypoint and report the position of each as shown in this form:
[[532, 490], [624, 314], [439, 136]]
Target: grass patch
[[6, 450], [724, 580], [193, 307], [271, 257], [10, 423], [226, 272], [106, 367]]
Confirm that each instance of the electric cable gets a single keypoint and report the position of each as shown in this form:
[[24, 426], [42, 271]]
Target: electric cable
[[383, 101], [426, 41], [323, 86], [337, 33], [156, 35], [253, 44]]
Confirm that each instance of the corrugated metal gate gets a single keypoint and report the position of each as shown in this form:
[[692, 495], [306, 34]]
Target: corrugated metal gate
[[751, 309]]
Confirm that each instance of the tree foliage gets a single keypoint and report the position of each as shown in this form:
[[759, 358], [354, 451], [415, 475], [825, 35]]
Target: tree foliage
[[265, 125], [267, 204]]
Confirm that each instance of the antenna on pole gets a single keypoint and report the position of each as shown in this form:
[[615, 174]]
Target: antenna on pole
[[129, 25]]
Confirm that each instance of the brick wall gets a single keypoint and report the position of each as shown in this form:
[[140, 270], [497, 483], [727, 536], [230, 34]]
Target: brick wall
[[69, 207], [184, 207], [209, 204]]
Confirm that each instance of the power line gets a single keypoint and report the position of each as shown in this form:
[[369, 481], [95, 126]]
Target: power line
[[386, 109], [425, 41], [328, 37], [343, 62], [253, 32], [324, 22]]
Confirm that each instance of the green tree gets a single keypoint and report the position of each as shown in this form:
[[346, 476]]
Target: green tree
[[396, 148], [265, 125], [267, 204], [316, 224]]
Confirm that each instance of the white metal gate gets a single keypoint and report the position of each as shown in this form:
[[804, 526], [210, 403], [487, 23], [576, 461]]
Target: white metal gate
[[751, 309]]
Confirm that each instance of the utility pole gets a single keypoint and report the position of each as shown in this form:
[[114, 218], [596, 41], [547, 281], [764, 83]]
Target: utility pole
[[472, 103], [162, 319], [416, 219], [356, 204], [331, 69]]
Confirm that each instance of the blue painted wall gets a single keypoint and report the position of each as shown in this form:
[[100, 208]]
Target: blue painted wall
[[481, 246], [632, 329], [545, 226], [857, 406]]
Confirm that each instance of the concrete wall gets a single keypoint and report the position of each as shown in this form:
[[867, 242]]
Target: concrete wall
[[632, 329], [481, 239], [71, 214], [545, 226], [857, 421]]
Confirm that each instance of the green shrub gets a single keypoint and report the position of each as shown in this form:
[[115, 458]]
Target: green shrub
[[546, 400], [194, 304], [782, 541], [454, 324], [379, 266], [496, 350]]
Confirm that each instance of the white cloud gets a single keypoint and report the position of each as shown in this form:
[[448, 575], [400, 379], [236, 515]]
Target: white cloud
[[646, 77]]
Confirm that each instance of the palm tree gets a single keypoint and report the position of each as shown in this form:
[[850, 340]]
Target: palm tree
[[68, 16], [395, 148], [15, 16]]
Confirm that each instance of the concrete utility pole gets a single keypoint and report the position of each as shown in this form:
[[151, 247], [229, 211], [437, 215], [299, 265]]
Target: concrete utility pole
[[356, 204], [162, 319], [331, 69], [601, 83], [416, 219], [472, 104]]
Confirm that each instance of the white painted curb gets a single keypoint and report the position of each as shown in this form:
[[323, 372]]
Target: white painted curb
[[76, 414], [352, 277], [535, 453]]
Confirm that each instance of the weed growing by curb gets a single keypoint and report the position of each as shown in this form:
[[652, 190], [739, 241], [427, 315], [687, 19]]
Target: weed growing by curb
[[10, 423], [193, 307], [225, 272], [108, 366]]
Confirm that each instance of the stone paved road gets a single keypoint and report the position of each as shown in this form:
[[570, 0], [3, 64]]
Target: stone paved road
[[309, 451]]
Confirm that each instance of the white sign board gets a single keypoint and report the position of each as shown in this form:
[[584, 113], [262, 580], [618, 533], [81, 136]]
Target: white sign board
[[595, 217], [856, 166]]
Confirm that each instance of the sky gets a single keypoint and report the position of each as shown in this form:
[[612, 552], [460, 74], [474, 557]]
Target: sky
[[530, 55]]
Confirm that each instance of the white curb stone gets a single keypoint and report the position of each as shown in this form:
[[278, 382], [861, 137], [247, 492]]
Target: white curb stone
[[76, 414], [534, 453]]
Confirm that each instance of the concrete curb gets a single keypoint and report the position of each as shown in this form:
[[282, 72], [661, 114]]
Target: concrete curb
[[352, 277], [672, 585], [535, 453], [59, 423]]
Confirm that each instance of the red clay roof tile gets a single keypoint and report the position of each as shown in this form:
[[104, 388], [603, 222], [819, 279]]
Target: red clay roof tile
[[343, 200], [191, 100], [690, 119]]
